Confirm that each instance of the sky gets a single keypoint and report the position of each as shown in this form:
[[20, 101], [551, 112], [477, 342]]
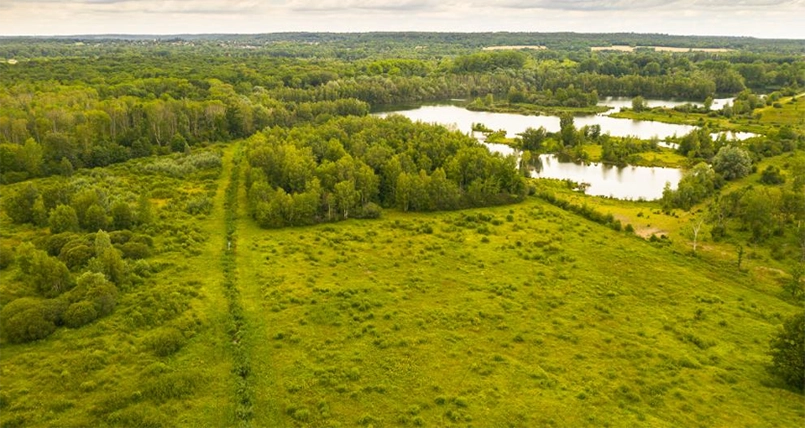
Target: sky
[[754, 18]]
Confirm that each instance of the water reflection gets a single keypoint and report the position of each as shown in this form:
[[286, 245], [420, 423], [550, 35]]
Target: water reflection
[[462, 120], [631, 182]]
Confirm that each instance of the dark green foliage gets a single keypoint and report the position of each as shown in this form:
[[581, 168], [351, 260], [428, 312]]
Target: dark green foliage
[[639, 104], [63, 219], [99, 292], [79, 314], [76, 253], [6, 256], [370, 210], [732, 162], [488, 61], [107, 259], [27, 319], [95, 219], [697, 184], [19, 205], [47, 274], [426, 168], [772, 175], [199, 205], [135, 250], [622, 151], [788, 352], [122, 216], [56, 242], [532, 139]]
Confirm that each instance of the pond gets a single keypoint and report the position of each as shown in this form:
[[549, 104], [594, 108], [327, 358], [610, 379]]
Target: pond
[[618, 102], [631, 182], [462, 119]]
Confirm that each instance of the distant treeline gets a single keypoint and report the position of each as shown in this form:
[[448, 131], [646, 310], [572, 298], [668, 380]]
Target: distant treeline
[[136, 100]]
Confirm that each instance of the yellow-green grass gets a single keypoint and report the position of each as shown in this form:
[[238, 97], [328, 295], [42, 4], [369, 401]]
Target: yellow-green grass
[[649, 218], [544, 320], [717, 123], [103, 374], [791, 112], [665, 157]]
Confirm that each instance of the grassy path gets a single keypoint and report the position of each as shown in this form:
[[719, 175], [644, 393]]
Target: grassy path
[[237, 325], [266, 384]]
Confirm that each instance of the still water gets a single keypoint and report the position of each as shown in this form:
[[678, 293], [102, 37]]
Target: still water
[[618, 102], [462, 119], [631, 182]]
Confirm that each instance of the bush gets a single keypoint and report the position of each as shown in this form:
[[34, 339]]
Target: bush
[[95, 219], [165, 341], [47, 274], [732, 162], [27, 319], [6, 256], [199, 205], [122, 216], [55, 243], [101, 293], [135, 250], [370, 210], [63, 219], [120, 236], [787, 351], [772, 175], [79, 314], [76, 254]]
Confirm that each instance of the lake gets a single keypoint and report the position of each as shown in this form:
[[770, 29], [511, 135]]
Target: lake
[[631, 182], [618, 102], [462, 119]]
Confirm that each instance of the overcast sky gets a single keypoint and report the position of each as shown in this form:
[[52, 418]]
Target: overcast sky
[[758, 18]]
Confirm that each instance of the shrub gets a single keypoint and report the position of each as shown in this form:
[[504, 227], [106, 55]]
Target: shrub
[[76, 254], [787, 350], [166, 341], [135, 250], [6, 256], [27, 319], [199, 205], [79, 314], [122, 216], [370, 210], [120, 236], [55, 243], [772, 175], [47, 274], [63, 219], [95, 219], [732, 162], [101, 293]]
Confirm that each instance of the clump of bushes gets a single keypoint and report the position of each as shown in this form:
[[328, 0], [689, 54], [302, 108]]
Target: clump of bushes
[[27, 319], [165, 341]]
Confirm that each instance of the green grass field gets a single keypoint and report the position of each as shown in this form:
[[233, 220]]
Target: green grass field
[[521, 315]]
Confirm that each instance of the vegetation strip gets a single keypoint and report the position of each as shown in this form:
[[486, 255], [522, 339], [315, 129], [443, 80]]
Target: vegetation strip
[[241, 365]]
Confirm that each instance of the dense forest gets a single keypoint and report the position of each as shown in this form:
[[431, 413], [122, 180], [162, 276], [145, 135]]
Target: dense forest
[[92, 111], [217, 230]]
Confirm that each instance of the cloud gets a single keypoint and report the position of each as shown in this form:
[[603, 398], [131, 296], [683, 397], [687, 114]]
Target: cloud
[[764, 18], [151, 6], [362, 5]]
